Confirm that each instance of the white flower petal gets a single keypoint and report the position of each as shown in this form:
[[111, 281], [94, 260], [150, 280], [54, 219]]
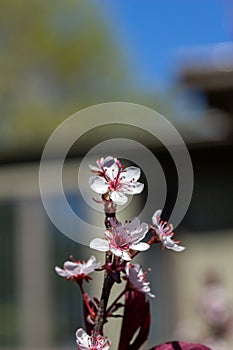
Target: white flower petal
[[91, 265], [90, 269], [133, 225], [138, 187], [140, 246], [144, 227], [82, 339], [125, 256], [177, 248], [118, 198], [136, 279], [107, 345], [140, 233], [98, 184], [116, 251], [74, 271], [71, 266], [108, 161], [99, 244], [151, 295], [91, 261], [133, 188], [170, 244], [111, 171], [156, 216], [61, 272], [95, 169], [130, 174], [136, 237], [100, 162]]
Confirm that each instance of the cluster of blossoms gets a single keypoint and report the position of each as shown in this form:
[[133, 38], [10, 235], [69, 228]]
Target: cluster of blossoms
[[123, 240], [121, 243]]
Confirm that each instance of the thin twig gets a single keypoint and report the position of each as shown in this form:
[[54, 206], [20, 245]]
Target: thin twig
[[110, 213], [116, 300], [86, 301]]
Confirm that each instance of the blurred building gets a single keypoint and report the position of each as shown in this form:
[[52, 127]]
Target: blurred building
[[211, 208]]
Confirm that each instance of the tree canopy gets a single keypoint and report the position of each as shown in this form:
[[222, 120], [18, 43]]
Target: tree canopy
[[56, 57]]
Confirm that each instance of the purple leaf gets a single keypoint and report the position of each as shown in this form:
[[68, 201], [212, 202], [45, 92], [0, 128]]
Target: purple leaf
[[180, 345], [136, 319]]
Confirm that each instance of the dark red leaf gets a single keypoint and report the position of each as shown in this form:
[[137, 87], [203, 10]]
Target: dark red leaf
[[180, 345], [136, 319]]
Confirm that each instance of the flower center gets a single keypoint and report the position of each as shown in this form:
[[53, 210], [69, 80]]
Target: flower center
[[115, 184], [119, 241], [112, 185]]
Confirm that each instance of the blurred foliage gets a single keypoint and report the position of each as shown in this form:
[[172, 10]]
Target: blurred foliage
[[56, 58]]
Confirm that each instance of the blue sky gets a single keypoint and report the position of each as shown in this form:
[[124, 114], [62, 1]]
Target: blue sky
[[151, 32]]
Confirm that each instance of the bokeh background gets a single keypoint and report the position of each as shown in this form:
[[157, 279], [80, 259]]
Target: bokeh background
[[57, 57]]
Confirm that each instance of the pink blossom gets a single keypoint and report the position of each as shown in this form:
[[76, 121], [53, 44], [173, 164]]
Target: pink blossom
[[122, 238], [87, 342], [137, 279], [112, 179], [76, 270], [102, 163], [165, 232]]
